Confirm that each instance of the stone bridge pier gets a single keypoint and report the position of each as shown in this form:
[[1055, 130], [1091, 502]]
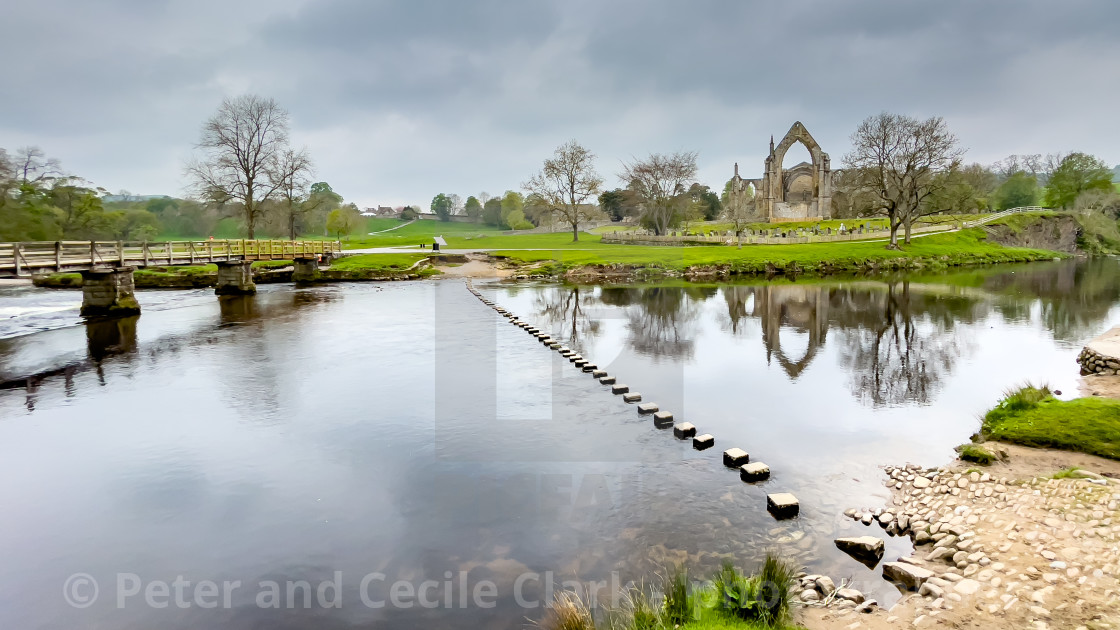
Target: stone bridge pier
[[235, 278], [307, 270], [109, 292]]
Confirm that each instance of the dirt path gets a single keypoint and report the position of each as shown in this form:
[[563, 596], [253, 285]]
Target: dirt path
[[475, 267], [1020, 549]]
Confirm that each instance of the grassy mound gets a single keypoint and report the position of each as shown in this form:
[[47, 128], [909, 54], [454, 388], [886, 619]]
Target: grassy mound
[[1031, 416]]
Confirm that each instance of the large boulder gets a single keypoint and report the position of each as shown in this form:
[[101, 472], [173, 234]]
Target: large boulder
[[867, 549]]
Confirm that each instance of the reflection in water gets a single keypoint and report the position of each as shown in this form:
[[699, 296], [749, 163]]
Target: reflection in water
[[304, 439], [804, 308], [898, 359], [113, 336]]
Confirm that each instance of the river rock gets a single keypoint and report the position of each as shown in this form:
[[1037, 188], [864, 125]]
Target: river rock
[[825, 585], [867, 549], [910, 576]]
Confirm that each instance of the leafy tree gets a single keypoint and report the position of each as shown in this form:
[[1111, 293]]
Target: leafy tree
[[242, 145], [707, 202], [136, 224], [492, 212], [610, 201], [513, 211], [473, 208], [565, 183], [343, 221], [899, 158], [1018, 190], [660, 182], [441, 206], [1077, 173], [409, 214]]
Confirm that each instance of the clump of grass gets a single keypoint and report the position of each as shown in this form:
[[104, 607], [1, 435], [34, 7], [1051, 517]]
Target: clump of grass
[[975, 453], [763, 597], [676, 604], [1072, 472], [1031, 416], [568, 612]]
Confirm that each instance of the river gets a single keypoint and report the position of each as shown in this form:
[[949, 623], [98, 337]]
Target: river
[[351, 437]]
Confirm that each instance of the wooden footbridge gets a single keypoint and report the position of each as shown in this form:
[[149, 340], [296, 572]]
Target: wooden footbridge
[[22, 260]]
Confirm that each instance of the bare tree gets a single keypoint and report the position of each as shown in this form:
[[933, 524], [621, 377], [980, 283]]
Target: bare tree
[[899, 158], [659, 181], [291, 175], [566, 182], [242, 144], [32, 165]]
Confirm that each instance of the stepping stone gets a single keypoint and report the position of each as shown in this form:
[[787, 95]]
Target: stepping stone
[[567, 354], [619, 389], [735, 457], [607, 380], [632, 397], [703, 442], [564, 349], [645, 408], [575, 357], [590, 367], [684, 430], [579, 363], [597, 373], [755, 471], [782, 505], [554, 345], [663, 419]]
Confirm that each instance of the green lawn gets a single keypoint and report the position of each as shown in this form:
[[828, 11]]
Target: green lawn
[[1032, 417], [416, 233], [377, 261], [964, 247]]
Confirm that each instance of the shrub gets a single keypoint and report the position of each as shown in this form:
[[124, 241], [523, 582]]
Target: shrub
[[975, 453], [776, 576]]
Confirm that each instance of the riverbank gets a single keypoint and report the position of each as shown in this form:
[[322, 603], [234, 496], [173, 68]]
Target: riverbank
[[1016, 545], [625, 262], [1028, 540]]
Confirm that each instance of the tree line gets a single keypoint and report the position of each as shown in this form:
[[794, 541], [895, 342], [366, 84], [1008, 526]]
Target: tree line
[[246, 180], [245, 169]]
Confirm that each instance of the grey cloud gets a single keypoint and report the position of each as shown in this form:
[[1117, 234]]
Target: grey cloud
[[399, 100]]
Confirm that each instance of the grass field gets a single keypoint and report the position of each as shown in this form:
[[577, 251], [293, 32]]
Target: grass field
[[377, 261], [1031, 416], [964, 247]]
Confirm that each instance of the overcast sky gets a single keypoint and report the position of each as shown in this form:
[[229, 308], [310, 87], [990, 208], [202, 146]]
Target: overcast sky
[[399, 100]]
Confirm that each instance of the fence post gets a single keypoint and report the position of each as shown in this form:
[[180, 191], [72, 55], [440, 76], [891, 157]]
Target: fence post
[[58, 256], [92, 253], [15, 258], [192, 252], [120, 253], [147, 253]]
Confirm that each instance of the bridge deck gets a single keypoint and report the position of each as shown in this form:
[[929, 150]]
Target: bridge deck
[[21, 260]]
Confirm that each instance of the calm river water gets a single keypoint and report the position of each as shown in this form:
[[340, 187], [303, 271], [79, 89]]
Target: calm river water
[[353, 436]]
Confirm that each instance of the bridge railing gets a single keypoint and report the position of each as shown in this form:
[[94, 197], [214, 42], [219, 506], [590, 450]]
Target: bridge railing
[[24, 259]]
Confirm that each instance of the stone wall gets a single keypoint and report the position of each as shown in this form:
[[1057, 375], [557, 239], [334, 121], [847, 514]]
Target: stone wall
[[1093, 362]]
